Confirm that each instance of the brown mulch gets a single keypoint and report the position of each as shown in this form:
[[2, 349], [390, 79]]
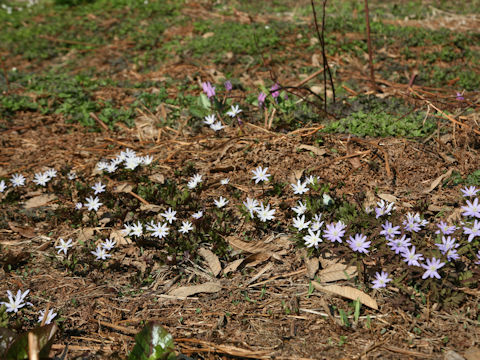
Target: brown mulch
[[246, 319]]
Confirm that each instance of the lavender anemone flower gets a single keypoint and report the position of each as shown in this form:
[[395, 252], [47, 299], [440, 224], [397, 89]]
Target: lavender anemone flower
[[208, 89], [261, 99]]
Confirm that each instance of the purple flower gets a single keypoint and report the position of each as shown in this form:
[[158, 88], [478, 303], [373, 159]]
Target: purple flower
[[399, 245], [261, 99], [432, 266], [472, 232], [228, 85], [410, 257], [448, 247], [274, 90], [445, 229], [469, 191], [335, 231], [383, 208], [478, 257], [381, 280], [359, 243], [460, 96], [208, 89], [390, 231], [414, 223], [472, 209]]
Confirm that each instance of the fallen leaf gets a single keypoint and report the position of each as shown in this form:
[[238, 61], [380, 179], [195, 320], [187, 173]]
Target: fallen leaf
[[452, 355], [123, 188], [266, 268], [232, 266], [27, 232], [314, 149], [472, 353], [85, 234], [255, 259], [388, 197], [337, 271], [312, 267], [438, 180], [38, 201], [184, 291], [119, 237], [347, 292], [157, 178], [151, 207], [272, 247], [212, 260]]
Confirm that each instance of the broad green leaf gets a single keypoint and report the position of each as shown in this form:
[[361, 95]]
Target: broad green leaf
[[18, 349], [153, 342], [204, 102]]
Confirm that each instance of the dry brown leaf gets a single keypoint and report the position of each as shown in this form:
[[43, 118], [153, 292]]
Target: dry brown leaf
[[27, 232], [348, 292], [273, 246], [119, 237], [388, 197], [314, 149], [438, 180], [184, 291], [255, 259], [157, 178], [85, 234], [312, 267], [337, 271], [472, 353], [212, 260], [151, 207], [140, 265], [123, 188], [38, 201], [233, 266], [266, 268]]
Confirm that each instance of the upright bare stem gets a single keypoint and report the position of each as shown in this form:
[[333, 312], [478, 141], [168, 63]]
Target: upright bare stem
[[369, 43], [326, 67]]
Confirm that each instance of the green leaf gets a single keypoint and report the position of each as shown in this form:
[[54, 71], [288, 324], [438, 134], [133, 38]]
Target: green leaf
[[356, 314], [18, 349], [153, 342], [204, 102]]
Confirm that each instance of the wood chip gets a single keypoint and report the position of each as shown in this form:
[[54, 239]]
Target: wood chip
[[347, 292], [185, 291], [38, 201], [212, 261]]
